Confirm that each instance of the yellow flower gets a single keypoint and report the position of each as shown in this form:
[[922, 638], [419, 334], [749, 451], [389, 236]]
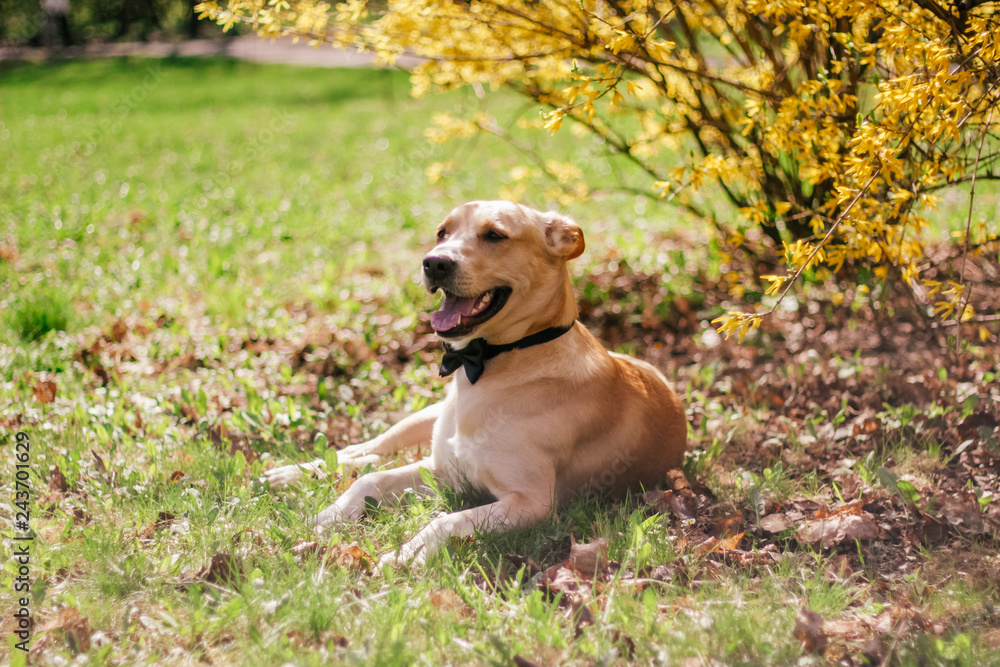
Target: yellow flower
[[776, 283]]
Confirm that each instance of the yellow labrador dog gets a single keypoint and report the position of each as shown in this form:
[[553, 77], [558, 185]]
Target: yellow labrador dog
[[538, 411]]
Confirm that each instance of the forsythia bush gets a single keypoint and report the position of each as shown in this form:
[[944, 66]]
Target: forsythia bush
[[829, 125]]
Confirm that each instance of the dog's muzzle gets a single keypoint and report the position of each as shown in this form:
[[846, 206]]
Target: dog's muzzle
[[438, 271]]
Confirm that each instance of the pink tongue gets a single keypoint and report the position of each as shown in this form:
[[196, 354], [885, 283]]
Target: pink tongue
[[447, 317]]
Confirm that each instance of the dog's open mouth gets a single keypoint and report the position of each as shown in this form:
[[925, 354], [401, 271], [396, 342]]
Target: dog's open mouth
[[459, 315]]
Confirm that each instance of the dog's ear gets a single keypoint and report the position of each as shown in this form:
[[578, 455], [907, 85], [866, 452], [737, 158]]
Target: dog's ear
[[563, 236]]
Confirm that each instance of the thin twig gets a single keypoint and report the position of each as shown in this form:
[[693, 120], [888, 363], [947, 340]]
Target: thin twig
[[798, 272], [978, 319], [968, 232]]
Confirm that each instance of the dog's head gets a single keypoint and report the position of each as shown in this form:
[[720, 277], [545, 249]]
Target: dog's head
[[502, 269]]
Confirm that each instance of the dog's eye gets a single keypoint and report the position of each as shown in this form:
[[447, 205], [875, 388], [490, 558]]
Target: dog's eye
[[441, 234], [494, 235]]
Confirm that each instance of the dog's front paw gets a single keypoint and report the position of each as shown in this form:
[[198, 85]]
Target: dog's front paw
[[349, 507], [352, 452], [359, 462], [330, 516], [284, 475], [409, 554]]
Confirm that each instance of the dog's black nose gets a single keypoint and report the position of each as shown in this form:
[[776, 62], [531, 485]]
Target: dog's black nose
[[438, 268]]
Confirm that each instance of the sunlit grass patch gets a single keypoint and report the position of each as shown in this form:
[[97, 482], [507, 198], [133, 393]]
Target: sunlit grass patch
[[38, 312]]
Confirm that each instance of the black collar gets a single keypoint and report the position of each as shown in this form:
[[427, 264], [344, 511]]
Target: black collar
[[474, 355]]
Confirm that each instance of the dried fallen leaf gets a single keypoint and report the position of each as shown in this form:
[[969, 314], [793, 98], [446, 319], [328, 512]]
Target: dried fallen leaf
[[776, 523], [163, 520], [589, 559], [803, 507], [8, 252], [809, 630], [975, 424], [48, 501], [222, 570], [102, 374], [727, 525], [882, 623], [729, 544], [242, 444], [866, 426], [44, 391], [349, 556], [190, 413], [75, 626], [574, 578], [715, 545], [667, 572], [57, 481], [843, 627], [118, 331], [671, 502], [840, 568], [767, 555], [447, 600], [838, 529], [326, 638], [847, 508], [963, 515], [682, 506]]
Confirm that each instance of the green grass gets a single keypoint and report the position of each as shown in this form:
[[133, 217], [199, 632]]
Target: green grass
[[39, 313], [133, 178], [138, 201], [216, 238]]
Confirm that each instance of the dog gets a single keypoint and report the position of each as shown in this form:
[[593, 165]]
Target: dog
[[538, 411]]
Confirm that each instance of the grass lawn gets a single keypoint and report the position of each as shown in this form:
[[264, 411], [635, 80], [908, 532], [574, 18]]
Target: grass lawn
[[209, 267]]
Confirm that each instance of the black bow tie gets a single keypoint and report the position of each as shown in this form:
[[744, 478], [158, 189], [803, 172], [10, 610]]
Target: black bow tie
[[474, 355]]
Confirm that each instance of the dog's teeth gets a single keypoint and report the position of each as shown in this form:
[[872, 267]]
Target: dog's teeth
[[483, 302]]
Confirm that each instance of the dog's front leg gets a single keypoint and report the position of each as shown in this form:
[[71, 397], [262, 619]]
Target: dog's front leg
[[515, 509], [378, 485], [414, 430]]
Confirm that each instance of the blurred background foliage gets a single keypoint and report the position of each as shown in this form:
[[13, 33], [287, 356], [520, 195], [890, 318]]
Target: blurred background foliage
[[23, 21]]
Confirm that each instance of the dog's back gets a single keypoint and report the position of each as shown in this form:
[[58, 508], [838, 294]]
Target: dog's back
[[628, 426]]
